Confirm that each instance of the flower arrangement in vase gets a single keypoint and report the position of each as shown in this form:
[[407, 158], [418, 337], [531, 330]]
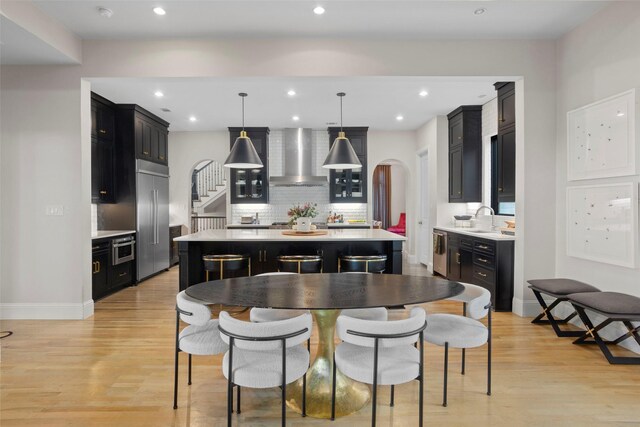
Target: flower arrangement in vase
[[307, 211]]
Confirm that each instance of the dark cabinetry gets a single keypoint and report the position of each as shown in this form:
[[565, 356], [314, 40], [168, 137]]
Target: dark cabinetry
[[505, 154], [106, 277], [147, 132], [465, 154], [251, 185], [350, 185], [102, 150], [174, 257], [483, 262]]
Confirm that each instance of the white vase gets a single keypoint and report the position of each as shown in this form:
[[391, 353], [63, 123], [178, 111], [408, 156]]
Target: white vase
[[303, 224]]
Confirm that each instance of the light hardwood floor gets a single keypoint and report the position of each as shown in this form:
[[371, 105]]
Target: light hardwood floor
[[116, 369]]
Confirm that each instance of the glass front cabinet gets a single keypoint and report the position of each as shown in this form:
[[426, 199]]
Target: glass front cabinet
[[251, 185], [350, 185]]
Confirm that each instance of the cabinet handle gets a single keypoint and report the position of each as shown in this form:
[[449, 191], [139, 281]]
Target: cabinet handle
[[483, 260], [500, 189], [102, 131], [458, 257], [481, 274], [98, 266], [145, 152], [161, 157], [483, 246], [122, 274], [459, 192], [265, 256], [103, 192], [260, 255], [459, 137]]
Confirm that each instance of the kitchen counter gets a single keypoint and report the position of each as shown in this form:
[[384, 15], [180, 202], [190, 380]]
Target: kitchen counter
[[493, 235], [103, 234], [248, 226], [348, 225], [232, 235], [264, 246]]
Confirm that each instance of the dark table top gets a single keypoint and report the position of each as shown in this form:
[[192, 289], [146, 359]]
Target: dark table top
[[325, 291]]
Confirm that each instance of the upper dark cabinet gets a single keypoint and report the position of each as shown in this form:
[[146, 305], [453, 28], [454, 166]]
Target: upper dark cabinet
[[251, 185], [148, 132], [465, 154], [350, 185], [505, 160], [102, 150], [506, 104]]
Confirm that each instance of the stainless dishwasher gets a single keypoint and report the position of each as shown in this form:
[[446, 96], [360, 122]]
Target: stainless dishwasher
[[440, 252]]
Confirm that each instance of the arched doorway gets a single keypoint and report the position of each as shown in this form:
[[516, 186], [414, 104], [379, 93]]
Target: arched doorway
[[208, 196], [390, 196]]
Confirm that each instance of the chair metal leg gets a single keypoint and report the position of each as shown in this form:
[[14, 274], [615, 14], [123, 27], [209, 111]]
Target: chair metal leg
[[230, 383], [238, 403], [489, 357], [284, 382], [446, 368], [333, 389], [304, 395], [175, 369], [463, 360], [392, 395], [189, 383], [421, 396], [374, 399]]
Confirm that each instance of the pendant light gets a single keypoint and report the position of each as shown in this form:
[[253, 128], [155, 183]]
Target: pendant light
[[341, 155], [243, 154]]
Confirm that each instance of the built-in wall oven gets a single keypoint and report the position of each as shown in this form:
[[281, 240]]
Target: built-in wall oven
[[440, 252], [123, 250]]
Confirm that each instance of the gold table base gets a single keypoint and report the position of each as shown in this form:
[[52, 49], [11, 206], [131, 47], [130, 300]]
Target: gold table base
[[351, 396]]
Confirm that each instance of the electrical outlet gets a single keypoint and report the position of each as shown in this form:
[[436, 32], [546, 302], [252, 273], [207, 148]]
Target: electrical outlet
[[54, 210]]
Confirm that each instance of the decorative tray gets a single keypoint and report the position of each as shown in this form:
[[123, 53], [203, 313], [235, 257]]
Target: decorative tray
[[305, 233]]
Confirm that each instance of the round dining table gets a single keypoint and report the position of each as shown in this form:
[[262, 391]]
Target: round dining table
[[325, 295]]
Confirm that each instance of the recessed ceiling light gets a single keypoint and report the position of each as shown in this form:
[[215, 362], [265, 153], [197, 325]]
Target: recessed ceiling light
[[318, 10], [423, 93], [291, 92], [103, 11], [165, 109], [295, 118], [159, 11], [192, 119], [399, 118], [480, 11], [482, 96], [158, 94], [620, 114]]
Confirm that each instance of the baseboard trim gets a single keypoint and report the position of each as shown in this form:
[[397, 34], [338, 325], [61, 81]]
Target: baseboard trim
[[525, 308], [46, 311]]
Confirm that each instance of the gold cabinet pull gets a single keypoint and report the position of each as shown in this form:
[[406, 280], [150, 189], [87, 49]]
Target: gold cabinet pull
[[483, 260], [102, 131], [103, 192], [481, 274], [458, 257], [145, 152], [122, 274], [483, 247]]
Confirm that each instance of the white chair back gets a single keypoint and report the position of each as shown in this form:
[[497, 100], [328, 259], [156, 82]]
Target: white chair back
[[380, 327], [477, 298], [200, 313], [266, 329]]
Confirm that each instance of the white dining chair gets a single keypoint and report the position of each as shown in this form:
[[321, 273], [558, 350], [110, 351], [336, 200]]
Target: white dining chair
[[201, 337], [265, 355], [380, 353], [466, 331]]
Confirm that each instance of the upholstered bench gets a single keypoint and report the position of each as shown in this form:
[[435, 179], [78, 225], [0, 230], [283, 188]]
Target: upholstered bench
[[616, 307], [559, 289]]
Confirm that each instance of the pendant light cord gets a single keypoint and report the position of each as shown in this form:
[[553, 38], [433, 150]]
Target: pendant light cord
[[341, 114], [243, 113]]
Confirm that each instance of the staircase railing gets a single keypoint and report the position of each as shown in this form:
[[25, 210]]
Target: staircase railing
[[206, 179], [208, 222]]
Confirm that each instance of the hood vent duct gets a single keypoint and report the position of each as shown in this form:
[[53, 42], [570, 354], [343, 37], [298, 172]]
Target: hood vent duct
[[297, 151]]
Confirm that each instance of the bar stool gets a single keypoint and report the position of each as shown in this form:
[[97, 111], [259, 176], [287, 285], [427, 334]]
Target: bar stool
[[222, 264], [300, 263], [362, 263]]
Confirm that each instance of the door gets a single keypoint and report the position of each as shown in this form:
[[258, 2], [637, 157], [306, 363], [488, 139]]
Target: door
[[161, 249], [424, 241], [146, 225], [507, 166], [455, 174]]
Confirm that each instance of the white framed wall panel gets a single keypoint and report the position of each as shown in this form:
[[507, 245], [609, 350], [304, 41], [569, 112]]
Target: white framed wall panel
[[601, 138], [602, 223]]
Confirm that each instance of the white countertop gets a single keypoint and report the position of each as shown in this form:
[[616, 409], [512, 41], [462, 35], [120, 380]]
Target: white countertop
[[347, 224], [240, 235], [494, 235], [103, 234], [248, 225]]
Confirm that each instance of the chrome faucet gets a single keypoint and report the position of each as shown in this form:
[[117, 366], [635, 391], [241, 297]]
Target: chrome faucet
[[492, 214]]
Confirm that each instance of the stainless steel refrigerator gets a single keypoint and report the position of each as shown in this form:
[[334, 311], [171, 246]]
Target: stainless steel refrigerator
[[152, 217]]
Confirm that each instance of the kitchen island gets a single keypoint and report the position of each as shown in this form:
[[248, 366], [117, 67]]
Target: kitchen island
[[265, 245]]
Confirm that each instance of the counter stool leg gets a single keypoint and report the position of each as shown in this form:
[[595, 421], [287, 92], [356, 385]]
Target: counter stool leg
[[392, 395], [189, 383], [238, 403], [446, 368]]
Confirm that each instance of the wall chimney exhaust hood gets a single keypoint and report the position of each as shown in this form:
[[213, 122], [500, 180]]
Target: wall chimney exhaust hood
[[298, 161]]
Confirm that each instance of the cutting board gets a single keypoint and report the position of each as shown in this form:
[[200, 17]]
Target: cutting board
[[305, 233]]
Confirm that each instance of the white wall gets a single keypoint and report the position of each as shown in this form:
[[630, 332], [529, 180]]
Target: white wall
[[399, 180], [41, 111], [598, 59], [186, 150]]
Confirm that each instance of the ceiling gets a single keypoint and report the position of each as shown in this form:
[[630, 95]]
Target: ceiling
[[19, 46], [395, 19], [370, 101]]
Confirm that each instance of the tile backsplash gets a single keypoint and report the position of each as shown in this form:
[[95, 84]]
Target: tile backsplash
[[282, 198]]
